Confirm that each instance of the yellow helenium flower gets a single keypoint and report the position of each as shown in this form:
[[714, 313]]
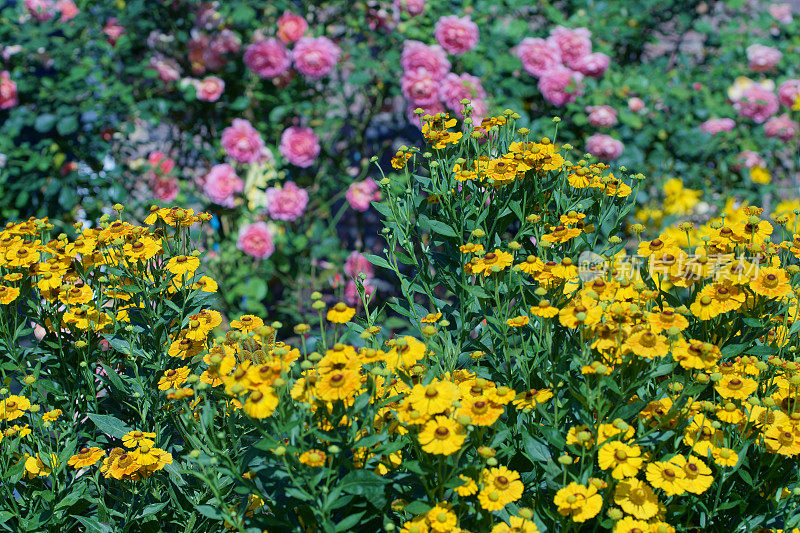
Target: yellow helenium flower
[[624, 460], [86, 457], [183, 264], [442, 436], [13, 407], [579, 502], [261, 403], [8, 294], [635, 497], [666, 476], [340, 313], [134, 439]]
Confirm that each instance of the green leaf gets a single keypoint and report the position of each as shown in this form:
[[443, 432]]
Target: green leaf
[[67, 125], [417, 508], [441, 228], [383, 263], [348, 523], [93, 525], [44, 122], [110, 425]]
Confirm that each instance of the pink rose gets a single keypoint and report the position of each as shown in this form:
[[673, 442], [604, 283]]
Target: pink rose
[[242, 142], [222, 184], [165, 188], [782, 127], [159, 163], [315, 57], [717, 125], [431, 109], [781, 12], [560, 85], [419, 87], [456, 35], [8, 91], [68, 10], [604, 147], [412, 7], [762, 58], [602, 116], [417, 55], [788, 92], [357, 264], [593, 65], [300, 146], [351, 295], [573, 44], [751, 159], [455, 88], [210, 89], [361, 194], [41, 10], [286, 203], [256, 240], [291, 27], [537, 55], [113, 30], [167, 68], [757, 103], [635, 104], [268, 58]]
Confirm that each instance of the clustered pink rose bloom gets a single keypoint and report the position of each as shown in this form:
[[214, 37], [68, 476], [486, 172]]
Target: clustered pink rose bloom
[[8, 91], [762, 58], [635, 104], [593, 65], [717, 125], [167, 68], [602, 116], [751, 159], [560, 85], [412, 7], [781, 12], [256, 240], [573, 44], [417, 55], [113, 30], [210, 89], [222, 184], [41, 10], [782, 127], [419, 87], [360, 194], [455, 88], [68, 10], [268, 58], [457, 35], [300, 146], [291, 27], [315, 57], [561, 61], [757, 102], [286, 203], [788, 92], [162, 183], [242, 142], [537, 55], [604, 147]]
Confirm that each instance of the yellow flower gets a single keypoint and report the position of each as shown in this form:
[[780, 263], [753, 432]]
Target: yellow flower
[[736, 387], [134, 439], [52, 416], [666, 476], [441, 518], [13, 407], [8, 294], [434, 398], [698, 475], [635, 497], [501, 486], [340, 313], [528, 400], [76, 295], [759, 174], [493, 262], [183, 264], [516, 524], [725, 457], [35, 467], [86, 457], [631, 525], [338, 385], [261, 403], [481, 412], [624, 460], [783, 439], [174, 378], [579, 502], [771, 282], [313, 458], [442, 436], [247, 323], [544, 309], [468, 488], [646, 344], [518, 321]]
